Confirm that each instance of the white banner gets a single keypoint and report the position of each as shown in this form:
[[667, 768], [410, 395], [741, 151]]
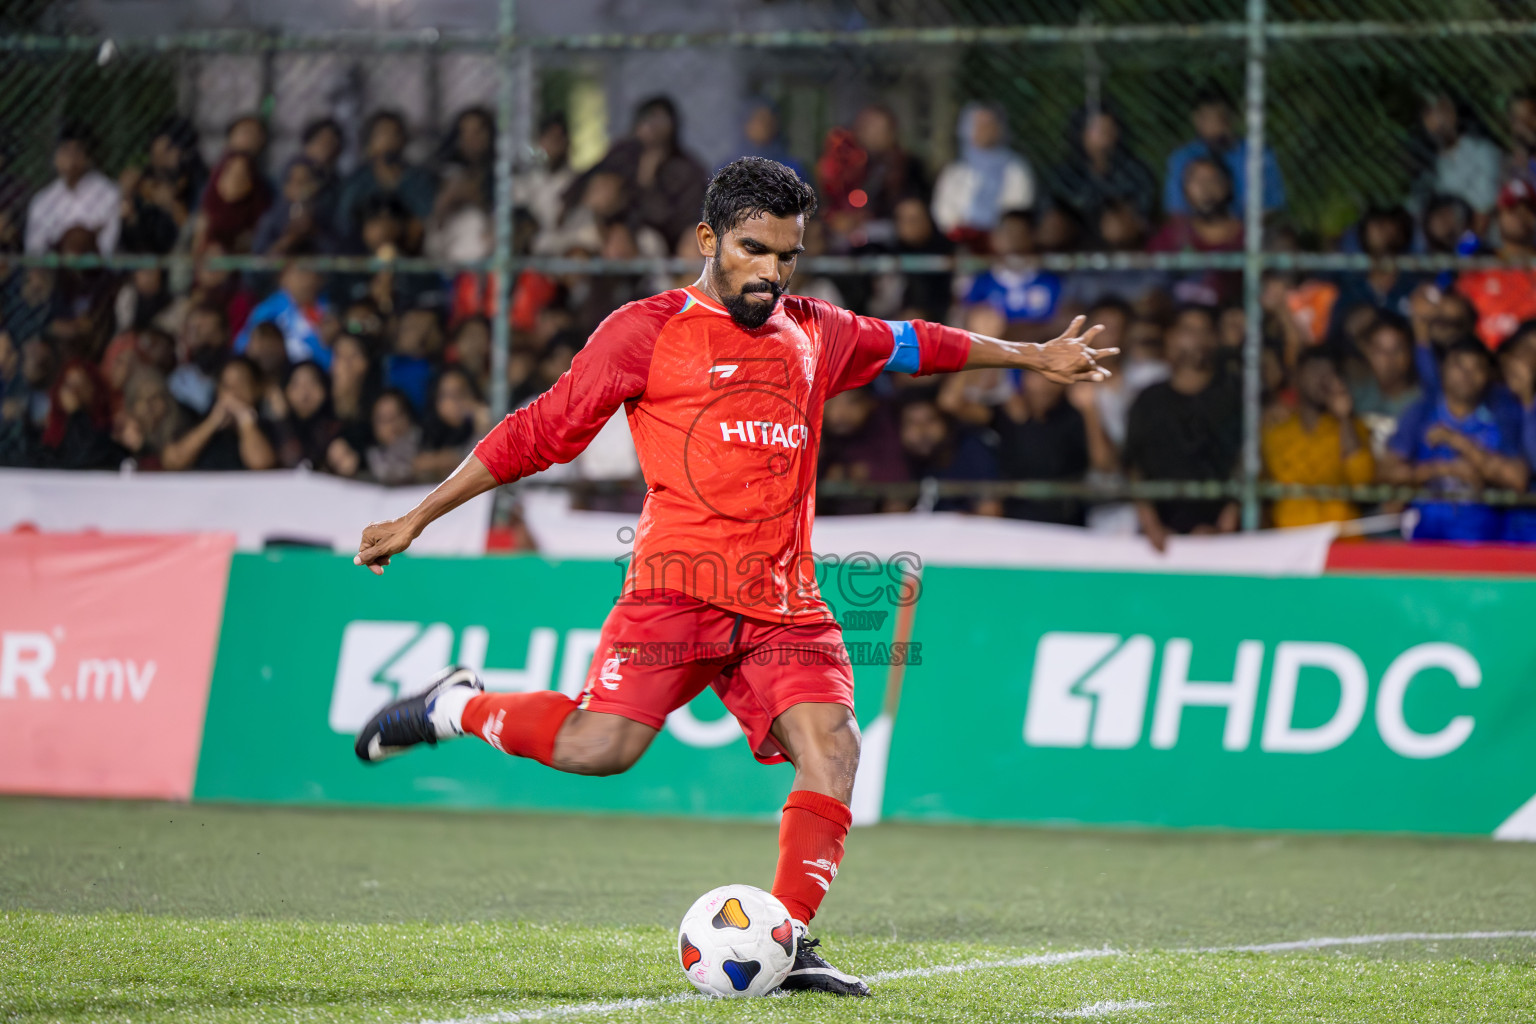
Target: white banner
[[293, 506], [951, 538]]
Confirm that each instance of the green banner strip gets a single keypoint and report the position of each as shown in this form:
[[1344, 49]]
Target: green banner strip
[[1338, 703]]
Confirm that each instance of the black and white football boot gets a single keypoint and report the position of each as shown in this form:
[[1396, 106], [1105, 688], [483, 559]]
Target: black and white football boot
[[811, 973], [424, 717]]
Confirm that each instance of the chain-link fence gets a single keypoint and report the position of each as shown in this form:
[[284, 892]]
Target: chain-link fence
[[1370, 153]]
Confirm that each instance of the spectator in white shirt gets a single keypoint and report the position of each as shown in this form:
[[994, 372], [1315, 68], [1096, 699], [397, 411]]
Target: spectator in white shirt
[[81, 196], [989, 179]]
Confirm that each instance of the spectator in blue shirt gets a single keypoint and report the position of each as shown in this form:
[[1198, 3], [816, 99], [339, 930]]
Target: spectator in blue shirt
[[1024, 293], [1212, 118], [297, 308], [1517, 364], [1455, 444], [414, 356]]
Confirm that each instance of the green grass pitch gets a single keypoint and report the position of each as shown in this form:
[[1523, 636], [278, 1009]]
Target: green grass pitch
[[157, 912]]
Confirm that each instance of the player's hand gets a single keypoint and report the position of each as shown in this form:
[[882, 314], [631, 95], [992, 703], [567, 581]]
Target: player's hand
[[1072, 358], [381, 541]]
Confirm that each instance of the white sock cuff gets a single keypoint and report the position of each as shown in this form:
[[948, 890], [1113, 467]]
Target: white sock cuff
[[447, 711]]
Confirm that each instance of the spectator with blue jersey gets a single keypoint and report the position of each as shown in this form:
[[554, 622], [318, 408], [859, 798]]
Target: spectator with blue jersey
[[1025, 294], [1454, 444], [1212, 118], [414, 356], [297, 308], [1517, 364]]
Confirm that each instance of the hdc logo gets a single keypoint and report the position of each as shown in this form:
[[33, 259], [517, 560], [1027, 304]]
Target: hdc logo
[[1091, 690]]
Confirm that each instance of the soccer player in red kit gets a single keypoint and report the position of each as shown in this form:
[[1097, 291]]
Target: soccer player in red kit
[[723, 384]]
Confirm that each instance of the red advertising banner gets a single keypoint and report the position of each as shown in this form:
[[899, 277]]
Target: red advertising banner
[[106, 651]]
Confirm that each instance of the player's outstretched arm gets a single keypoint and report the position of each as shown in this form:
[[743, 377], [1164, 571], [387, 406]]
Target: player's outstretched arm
[[381, 541], [555, 427], [1067, 360]]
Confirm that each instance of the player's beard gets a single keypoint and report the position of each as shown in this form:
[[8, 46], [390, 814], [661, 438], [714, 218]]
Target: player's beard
[[743, 310]]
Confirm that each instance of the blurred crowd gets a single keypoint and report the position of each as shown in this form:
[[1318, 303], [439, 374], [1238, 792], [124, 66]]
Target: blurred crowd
[[1423, 380]]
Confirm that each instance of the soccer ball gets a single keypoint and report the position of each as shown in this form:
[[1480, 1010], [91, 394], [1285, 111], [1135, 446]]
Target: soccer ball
[[736, 940]]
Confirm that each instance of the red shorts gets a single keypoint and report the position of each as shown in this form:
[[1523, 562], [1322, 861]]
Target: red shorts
[[660, 648]]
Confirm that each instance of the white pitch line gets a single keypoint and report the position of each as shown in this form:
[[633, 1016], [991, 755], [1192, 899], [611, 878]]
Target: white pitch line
[[1104, 1009], [1362, 940], [1038, 960]]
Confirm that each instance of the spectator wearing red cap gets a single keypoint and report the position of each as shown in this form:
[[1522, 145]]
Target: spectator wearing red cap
[[1505, 297]]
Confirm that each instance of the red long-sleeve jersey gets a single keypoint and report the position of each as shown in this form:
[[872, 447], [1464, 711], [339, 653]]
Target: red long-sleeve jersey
[[726, 423]]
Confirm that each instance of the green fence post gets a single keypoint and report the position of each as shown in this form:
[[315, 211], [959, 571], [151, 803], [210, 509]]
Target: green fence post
[[501, 259], [1253, 248]]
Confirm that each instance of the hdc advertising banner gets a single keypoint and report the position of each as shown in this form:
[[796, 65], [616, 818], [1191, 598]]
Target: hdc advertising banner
[[106, 649], [312, 646], [1336, 703]]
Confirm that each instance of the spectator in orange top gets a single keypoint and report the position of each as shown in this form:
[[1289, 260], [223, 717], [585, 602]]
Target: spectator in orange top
[[1320, 442], [1506, 296]]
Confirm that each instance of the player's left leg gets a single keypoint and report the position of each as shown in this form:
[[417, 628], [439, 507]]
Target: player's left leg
[[793, 695], [822, 742]]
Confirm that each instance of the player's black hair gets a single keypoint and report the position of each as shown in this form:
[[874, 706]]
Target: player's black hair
[[554, 120], [751, 186]]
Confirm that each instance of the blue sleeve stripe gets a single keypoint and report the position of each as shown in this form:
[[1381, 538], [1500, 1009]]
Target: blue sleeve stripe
[[904, 355]]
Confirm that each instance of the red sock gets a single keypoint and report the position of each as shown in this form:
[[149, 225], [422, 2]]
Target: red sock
[[520, 724], [811, 838]]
